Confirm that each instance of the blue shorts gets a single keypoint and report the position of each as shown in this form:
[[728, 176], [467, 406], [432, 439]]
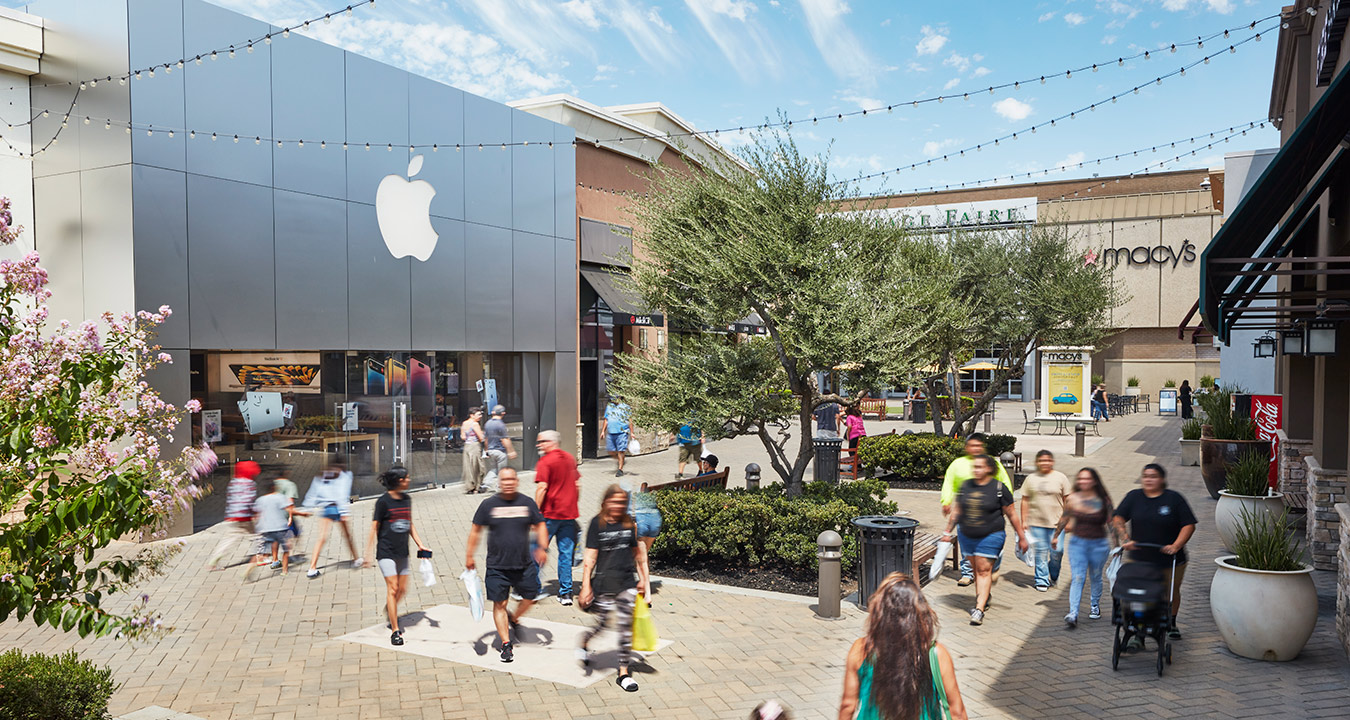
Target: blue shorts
[[616, 442], [332, 512], [276, 538], [648, 524], [990, 546]]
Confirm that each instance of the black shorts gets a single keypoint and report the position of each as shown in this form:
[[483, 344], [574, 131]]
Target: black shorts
[[499, 583]]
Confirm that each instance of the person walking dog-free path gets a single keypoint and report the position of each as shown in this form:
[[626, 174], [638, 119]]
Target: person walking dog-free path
[[239, 497], [983, 504], [899, 669], [509, 517], [616, 432], [472, 467], [1043, 496], [393, 525], [959, 471], [499, 450], [1087, 516], [1157, 516], [613, 575], [555, 492], [330, 494]]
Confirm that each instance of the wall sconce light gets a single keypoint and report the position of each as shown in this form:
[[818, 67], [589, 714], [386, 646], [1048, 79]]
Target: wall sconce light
[[1291, 341], [1322, 336], [1263, 347]]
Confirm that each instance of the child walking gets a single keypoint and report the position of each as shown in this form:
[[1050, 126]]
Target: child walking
[[272, 515], [393, 526]]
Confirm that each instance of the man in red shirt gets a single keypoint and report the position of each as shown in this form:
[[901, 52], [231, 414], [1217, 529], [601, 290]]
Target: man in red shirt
[[556, 478]]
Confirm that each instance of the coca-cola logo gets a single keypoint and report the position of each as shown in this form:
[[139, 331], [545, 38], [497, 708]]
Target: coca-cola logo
[[1266, 415]]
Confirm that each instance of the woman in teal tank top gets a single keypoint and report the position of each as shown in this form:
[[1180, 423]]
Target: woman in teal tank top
[[918, 680]]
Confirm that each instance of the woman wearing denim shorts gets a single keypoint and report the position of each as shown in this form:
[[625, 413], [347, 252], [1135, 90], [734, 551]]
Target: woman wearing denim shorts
[[642, 506], [982, 506]]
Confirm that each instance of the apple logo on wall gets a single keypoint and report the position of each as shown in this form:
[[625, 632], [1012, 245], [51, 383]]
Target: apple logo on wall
[[403, 211]]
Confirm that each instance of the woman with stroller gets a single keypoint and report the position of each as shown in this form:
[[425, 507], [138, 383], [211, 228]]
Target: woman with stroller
[[1157, 516], [613, 575], [1087, 516], [899, 669], [982, 505]]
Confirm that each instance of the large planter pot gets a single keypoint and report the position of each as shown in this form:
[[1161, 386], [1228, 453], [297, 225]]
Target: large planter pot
[[1131, 390], [1261, 614], [1216, 455], [1228, 512], [1190, 452]]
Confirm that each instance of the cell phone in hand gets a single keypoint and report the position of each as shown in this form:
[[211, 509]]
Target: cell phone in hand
[[423, 554]]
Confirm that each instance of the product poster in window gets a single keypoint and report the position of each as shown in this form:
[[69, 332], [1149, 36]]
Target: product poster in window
[[1066, 388], [211, 429], [280, 372]]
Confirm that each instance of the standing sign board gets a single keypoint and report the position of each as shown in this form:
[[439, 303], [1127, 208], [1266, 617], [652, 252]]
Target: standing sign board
[[1268, 414], [1167, 401], [1066, 380]]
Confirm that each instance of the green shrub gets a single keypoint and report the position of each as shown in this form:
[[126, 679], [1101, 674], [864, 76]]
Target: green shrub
[[1250, 475], [1170, 384], [1265, 542], [1133, 381], [921, 456], [765, 527], [995, 445], [1206, 381], [1190, 430], [47, 687], [1097, 379]]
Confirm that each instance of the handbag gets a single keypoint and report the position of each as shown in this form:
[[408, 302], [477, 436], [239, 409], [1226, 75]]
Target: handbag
[[1113, 566], [644, 630]]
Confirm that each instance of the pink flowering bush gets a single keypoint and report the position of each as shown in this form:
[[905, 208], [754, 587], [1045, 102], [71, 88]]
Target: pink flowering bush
[[81, 461]]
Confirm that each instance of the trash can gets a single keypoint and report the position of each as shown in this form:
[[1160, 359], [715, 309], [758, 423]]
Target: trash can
[[920, 411], [886, 545], [827, 459]]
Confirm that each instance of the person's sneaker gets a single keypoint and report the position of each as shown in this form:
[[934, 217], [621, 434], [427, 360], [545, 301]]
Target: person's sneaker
[[516, 596], [1173, 633], [508, 653], [584, 657], [1136, 643], [1071, 620], [357, 563], [965, 581], [396, 638], [1042, 588], [564, 599], [618, 473], [276, 565], [1096, 613], [976, 617], [313, 573]]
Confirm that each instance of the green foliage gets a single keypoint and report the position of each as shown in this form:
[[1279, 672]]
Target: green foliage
[[316, 423], [1097, 379], [1190, 430], [1250, 475], [995, 444], [1216, 404], [921, 456], [1266, 542], [1169, 383], [1133, 381], [46, 687], [1206, 381], [765, 527]]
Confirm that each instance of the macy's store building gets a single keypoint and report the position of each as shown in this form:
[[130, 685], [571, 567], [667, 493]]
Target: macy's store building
[[325, 306]]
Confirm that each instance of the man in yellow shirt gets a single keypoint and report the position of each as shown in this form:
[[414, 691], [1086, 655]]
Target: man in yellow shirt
[[959, 472]]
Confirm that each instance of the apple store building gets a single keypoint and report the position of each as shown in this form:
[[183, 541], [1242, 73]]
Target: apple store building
[[355, 255]]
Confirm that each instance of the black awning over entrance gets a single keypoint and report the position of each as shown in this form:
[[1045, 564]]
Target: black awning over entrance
[[626, 308], [1248, 248]]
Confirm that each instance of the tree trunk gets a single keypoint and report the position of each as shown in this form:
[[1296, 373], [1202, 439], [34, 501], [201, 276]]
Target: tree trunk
[[931, 386]]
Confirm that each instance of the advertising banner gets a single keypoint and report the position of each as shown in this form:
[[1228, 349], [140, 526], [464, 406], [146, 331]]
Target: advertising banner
[[280, 372], [1065, 389], [212, 432], [1268, 414], [1167, 401]]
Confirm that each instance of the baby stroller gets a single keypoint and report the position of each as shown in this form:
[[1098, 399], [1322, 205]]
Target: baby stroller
[[1141, 606]]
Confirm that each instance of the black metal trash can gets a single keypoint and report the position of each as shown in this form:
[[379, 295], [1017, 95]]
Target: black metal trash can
[[920, 410], [886, 545], [827, 459]]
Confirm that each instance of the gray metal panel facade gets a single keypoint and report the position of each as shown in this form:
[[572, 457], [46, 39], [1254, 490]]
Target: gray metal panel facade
[[311, 279], [160, 242], [487, 198], [532, 180], [438, 289], [564, 183], [379, 301], [155, 31], [436, 117], [532, 284], [565, 307], [230, 265], [488, 294], [377, 114], [308, 103]]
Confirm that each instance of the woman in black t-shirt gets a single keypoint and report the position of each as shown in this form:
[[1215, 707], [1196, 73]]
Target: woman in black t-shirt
[[612, 576], [982, 504], [1157, 516], [393, 526]]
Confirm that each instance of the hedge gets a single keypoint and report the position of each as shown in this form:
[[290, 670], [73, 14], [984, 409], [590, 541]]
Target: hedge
[[764, 527], [922, 456], [996, 445], [47, 687]]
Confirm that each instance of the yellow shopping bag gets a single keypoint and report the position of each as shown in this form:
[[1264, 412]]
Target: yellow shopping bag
[[644, 630]]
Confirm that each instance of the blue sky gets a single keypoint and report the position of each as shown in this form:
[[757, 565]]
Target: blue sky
[[721, 63]]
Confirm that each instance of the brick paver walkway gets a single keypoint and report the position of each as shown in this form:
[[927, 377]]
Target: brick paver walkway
[[269, 649]]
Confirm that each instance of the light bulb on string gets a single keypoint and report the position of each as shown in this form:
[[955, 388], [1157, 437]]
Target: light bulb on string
[[250, 48], [192, 134], [236, 139], [286, 32], [168, 69], [1183, 72], [213, 55], [257, 140], [128, 129], [344, 146], [349, 11], [267, 40], [323, 144], [197, 60], [232, 52], [121, 81], [278, 143], [300, 144], [107, 125], [213, 137], [86, 119]]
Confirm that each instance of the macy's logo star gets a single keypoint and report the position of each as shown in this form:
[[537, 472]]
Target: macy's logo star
[[1090, 258]]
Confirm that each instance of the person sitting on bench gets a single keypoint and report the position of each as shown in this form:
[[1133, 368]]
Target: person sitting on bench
[[707, 465]]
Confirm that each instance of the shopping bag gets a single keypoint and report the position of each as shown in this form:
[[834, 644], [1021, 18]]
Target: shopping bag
[[1112, 566], [1028, 557], [428, 573], [474, 589], [944, 550], [644, 630], [634, 447]]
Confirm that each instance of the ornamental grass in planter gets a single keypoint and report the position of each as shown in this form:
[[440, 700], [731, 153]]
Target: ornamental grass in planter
[[1190, 442], [1262, 597], [1132, 386], [1248, 490], [1224, 437]]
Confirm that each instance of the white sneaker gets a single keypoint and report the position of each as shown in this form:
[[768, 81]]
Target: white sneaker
[[313, 573], [1071, 621], [583, 656], [357, 563]]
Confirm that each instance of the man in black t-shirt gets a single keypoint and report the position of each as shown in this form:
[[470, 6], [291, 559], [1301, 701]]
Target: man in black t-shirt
[[510, 516]]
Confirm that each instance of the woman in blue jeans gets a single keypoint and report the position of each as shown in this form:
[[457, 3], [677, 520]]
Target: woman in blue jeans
[[1087, 516]]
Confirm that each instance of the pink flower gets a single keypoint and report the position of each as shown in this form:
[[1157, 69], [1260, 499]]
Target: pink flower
[[193, 406], [165, 358], [43, 436]]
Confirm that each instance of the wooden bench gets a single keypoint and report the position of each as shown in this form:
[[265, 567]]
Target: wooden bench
[[873, 407], [848, 460], [925, 549], [715, 481], [1296, 502]]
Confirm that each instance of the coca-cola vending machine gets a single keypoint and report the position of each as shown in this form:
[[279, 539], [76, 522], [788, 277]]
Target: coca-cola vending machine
[[1267, 411]]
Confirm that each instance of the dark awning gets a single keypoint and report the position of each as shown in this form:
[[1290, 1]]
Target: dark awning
[[627, 308], [1282, 194]]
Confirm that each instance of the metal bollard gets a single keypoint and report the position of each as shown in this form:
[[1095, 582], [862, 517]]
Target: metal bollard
[[829, 556], [1079, 439], [752, 476], [987, 418], [1009, 461]]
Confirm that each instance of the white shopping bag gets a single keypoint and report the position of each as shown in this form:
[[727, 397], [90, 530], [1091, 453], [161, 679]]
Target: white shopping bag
[[428, 573], [1112, 566], [634, 447], [474, 589], [1028, 557], [944, 549]]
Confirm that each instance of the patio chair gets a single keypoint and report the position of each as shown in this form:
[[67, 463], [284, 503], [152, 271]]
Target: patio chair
[[1029, 424]]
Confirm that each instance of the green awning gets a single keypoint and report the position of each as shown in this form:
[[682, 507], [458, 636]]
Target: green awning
[[1284, 193]]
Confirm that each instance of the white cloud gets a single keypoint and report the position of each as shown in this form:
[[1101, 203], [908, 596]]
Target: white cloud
[[537, 28], [863, 102], [932, 41], [960, 62], [737, 9], [952, 83], [1072, 159], [840, 48], [980, 72], [855, 162], [1116, 7], [1109, 40], [653, 17], [745, 43], [1012, 109], [582, 11], [915, 67], [933, 148], [1223, 7], [1074, 18], [1047, 16], [886, 22]]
